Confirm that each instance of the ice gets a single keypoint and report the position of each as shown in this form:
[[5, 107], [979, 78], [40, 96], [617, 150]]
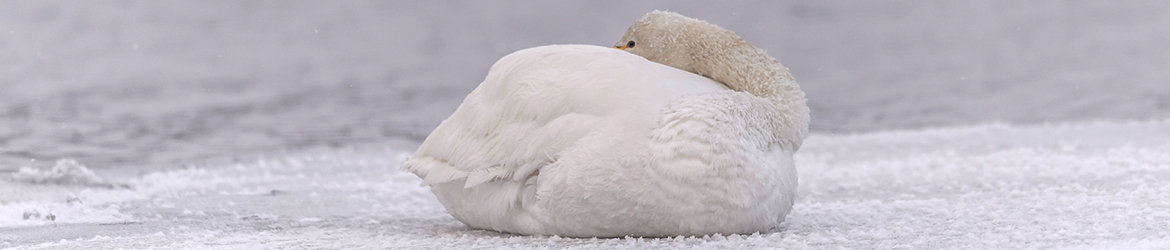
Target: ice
[[982, 186], [65, 172]]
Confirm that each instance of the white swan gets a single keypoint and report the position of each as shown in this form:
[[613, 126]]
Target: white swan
[[588, 141]]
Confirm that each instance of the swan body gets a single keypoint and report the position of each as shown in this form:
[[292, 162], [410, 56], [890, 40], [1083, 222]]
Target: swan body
[[588, 141]]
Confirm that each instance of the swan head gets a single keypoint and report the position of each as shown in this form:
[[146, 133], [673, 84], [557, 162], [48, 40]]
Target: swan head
[[661, 37]]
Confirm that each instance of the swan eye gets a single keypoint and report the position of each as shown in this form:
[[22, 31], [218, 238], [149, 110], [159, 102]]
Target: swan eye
[[630, 45]]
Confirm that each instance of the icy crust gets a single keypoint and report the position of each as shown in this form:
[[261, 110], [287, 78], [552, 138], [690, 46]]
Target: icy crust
[[333, 184], [65, 172], [1086, 186]]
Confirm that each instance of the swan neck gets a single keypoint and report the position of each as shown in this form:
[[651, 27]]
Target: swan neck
[[746, 68], [743, 67]]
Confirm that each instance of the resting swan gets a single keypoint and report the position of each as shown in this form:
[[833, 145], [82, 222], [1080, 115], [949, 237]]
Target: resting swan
[[587, 141]]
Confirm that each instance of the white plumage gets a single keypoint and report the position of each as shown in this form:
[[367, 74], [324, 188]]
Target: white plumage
[[587, 141]]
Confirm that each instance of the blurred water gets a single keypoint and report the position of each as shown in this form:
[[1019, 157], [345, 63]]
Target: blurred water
[[160, 83]]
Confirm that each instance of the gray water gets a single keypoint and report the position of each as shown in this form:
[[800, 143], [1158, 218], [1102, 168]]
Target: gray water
[[143, 85]]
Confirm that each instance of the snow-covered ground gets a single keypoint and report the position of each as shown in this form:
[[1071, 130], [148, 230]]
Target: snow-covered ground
[[244, 124], [1094, 185]]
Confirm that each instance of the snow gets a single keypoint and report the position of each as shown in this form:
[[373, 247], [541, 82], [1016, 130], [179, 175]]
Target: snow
[[1092, 185], [66, 171], [255, 124]]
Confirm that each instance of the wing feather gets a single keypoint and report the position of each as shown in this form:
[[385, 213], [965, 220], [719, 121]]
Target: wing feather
[[536, 103]]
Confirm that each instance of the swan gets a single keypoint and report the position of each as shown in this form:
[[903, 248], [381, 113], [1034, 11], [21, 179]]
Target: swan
[[684, 129]]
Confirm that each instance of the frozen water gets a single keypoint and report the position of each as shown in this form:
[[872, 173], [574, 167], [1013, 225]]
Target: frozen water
[[1092, 185], [247, 124], [67, 171]]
